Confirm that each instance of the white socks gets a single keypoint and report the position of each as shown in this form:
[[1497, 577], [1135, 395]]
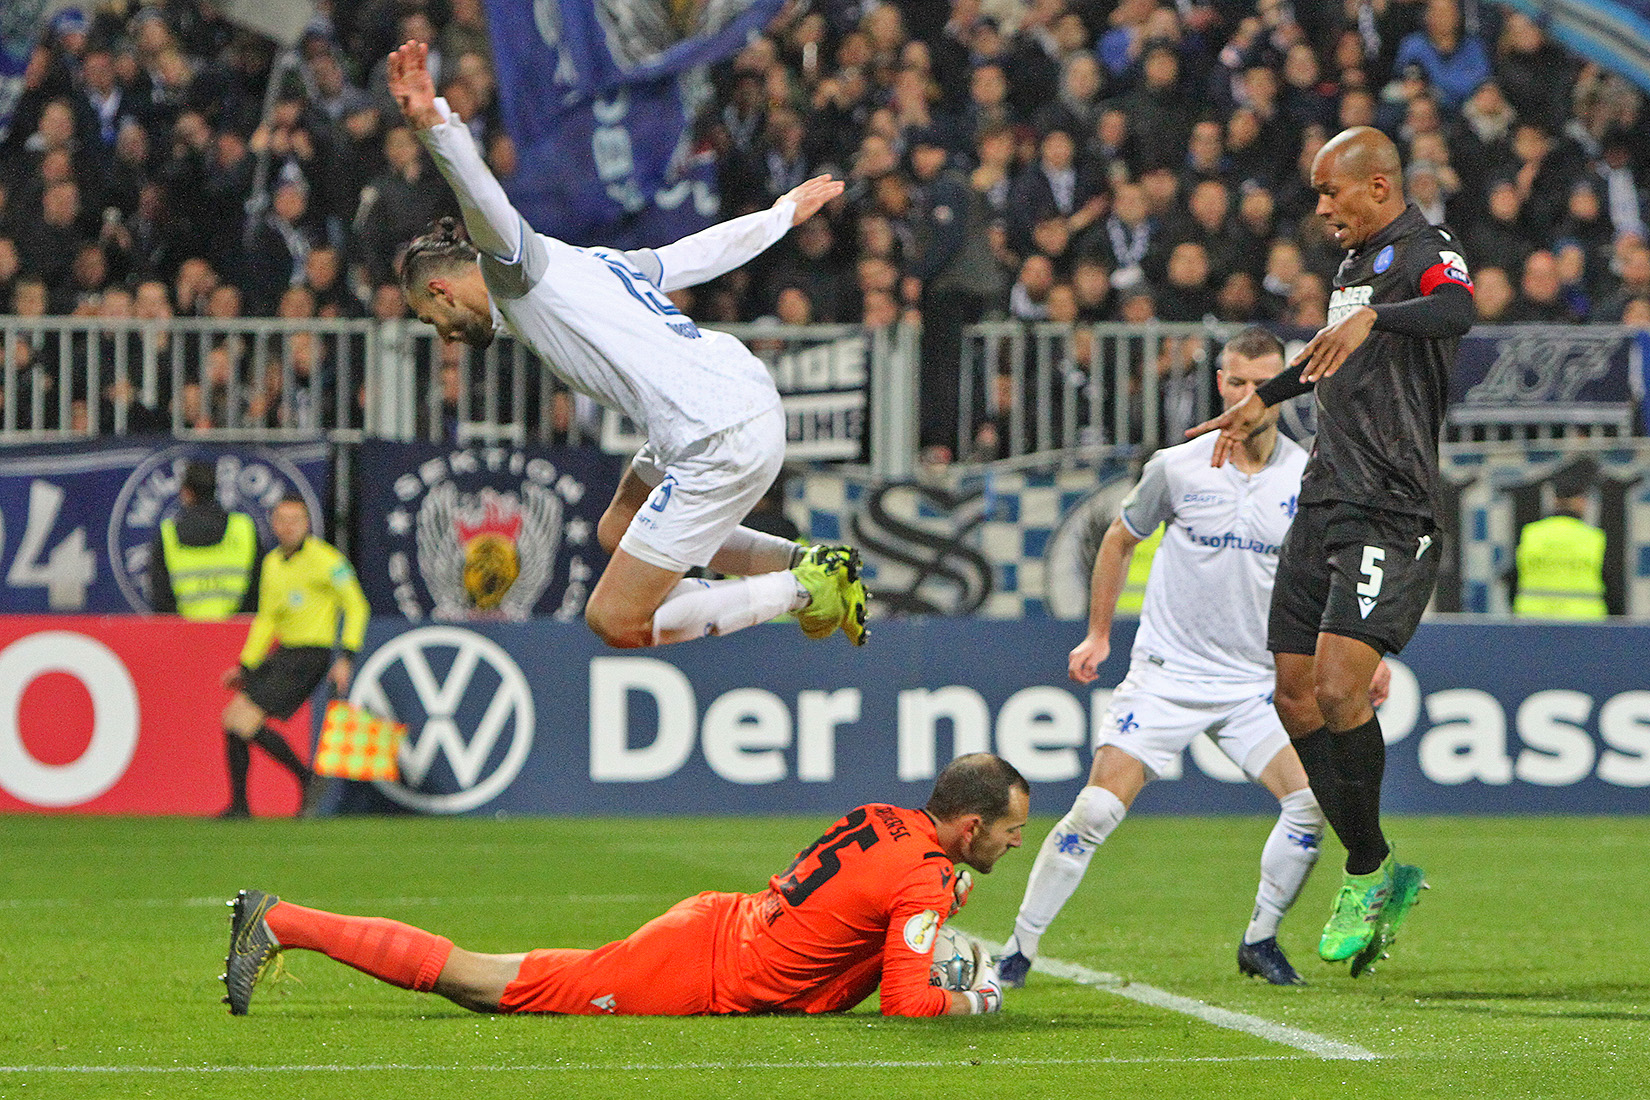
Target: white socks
[[1289, 855], [1061, 863], [748, 552], [696, 607]]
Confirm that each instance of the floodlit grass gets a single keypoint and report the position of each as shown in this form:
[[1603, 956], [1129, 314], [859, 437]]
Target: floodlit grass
[[1522, 974]]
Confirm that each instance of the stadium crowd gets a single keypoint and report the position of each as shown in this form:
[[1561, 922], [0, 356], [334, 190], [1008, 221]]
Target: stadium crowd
[[1065, 160]]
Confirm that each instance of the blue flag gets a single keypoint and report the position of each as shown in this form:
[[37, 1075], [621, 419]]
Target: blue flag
[[19, 21], [599, 96]]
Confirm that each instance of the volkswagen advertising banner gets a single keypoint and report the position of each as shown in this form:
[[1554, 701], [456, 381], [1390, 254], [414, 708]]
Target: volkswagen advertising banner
[[539, 718], [482, 533], [77, 520]]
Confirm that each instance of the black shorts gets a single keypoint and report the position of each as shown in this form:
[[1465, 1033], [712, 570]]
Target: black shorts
[[286, 678], [1362, 573]]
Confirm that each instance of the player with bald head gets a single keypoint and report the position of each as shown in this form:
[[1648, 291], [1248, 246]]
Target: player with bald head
[[1359, 564]]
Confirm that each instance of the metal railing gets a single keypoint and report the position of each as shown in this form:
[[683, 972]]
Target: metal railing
[[1026, 390]]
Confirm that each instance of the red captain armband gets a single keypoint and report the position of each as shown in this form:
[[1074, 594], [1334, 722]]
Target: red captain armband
[[1450, 268]]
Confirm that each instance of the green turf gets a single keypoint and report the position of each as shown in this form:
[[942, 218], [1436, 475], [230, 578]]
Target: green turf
[[1521, 974]]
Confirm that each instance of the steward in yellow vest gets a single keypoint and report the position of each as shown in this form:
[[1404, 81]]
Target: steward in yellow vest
[[203, 564], [1560, 563]]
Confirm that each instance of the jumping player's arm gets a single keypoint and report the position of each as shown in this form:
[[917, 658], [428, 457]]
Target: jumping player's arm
[[493, 224], [1146, 506], [703, 256]]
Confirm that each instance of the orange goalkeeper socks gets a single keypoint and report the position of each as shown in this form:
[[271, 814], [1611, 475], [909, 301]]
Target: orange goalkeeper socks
[[387, 949]]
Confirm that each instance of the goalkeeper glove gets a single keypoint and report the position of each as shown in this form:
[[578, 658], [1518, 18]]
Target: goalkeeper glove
[[960, 888], [986, 994]]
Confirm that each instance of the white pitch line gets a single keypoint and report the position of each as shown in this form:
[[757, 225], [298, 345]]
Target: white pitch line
[[1311, 1042], [653, 1067]]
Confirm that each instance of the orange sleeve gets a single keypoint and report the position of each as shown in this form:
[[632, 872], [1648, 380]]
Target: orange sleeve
[[919, 907]]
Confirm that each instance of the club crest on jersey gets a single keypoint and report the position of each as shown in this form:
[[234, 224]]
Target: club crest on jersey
[[1383, 259], [921, 930]]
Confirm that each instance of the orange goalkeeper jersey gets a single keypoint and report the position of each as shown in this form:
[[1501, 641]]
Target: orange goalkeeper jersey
[[858, 907]]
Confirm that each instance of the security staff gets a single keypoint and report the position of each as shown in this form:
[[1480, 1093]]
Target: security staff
[[203, 564], [305, 585], [1560, 559]]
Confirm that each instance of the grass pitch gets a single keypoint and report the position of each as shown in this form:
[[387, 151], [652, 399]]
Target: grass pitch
[[1522, 974]]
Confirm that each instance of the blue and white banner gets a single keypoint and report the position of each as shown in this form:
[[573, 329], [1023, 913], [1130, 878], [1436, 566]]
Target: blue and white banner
[[77, 519], [19, 27], [483, 533], [599, 97], [1545, 374], [540, 718]]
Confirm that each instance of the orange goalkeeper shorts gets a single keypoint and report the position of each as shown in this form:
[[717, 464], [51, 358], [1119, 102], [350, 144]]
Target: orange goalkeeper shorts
[[664, 968]]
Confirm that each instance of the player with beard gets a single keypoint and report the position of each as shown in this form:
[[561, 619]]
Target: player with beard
[[857, 910], [1359, 564], [600, 319]]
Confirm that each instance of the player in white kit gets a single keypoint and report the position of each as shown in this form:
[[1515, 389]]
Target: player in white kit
[[599, 318], [1199, 663]]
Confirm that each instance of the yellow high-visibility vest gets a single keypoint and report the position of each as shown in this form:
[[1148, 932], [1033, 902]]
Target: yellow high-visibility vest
[[1560, 570], [1133, 596], [211, 581]]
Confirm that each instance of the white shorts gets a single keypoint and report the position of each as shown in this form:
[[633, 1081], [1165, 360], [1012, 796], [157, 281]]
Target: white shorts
[[1153, 717], [701, 494]]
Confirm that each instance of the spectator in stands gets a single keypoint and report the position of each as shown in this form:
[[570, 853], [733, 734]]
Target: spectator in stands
[[1187, 294], [398, 204], [956, 280], [1054, 186], [1634, 282], [1028, 297], [1499, 240], [1455, 63], [1492, 294], [324, 278], [1535, 73], [1539, 299], [1159, 111], [1209, 221], [281, 240], [1128, 239], [1076, 110], [1091, 290], [49, 244]]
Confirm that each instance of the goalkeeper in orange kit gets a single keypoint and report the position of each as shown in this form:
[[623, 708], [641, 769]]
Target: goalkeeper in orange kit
[[860, 907]]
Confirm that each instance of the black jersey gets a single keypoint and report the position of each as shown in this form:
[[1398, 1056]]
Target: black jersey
[[1380, 415]]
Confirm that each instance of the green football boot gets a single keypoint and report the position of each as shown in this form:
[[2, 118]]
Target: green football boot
[[823, 572], [854, 598], [1357, 911], [1408, 881]]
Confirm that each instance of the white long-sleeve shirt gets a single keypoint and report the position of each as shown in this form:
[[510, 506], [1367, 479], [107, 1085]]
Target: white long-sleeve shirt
[[599, 318], [1210, 589]]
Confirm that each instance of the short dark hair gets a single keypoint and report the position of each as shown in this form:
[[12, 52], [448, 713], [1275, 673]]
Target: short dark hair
[[201, 479], [978, 783], [443, 247], [1255, 342]]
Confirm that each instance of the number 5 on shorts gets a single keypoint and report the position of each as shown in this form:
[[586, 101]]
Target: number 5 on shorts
[[1371, 584]]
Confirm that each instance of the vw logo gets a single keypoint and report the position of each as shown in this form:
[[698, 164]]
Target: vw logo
[[448, 712]]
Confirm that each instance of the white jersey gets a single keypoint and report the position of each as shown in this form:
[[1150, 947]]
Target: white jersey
[[1210, 590], [599, 318]]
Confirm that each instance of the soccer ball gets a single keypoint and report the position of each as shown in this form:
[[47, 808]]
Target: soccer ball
[[958, 957]]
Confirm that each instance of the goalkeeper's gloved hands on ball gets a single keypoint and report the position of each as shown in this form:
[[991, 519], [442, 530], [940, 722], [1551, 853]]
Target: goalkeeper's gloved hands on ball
[[986, 994], [960, 888]]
